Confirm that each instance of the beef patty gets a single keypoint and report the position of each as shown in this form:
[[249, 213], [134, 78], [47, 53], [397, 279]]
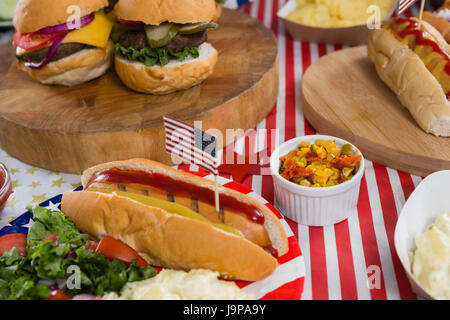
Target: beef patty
[[179, 42], [135, 39], [138, 40], [64, 50]]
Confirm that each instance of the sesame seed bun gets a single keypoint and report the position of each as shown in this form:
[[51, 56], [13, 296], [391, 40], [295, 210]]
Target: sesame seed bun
[[155, 12], [33, 15]]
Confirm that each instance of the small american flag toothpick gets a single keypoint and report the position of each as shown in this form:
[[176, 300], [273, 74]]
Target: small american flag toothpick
[[404, 5], [193, 146]]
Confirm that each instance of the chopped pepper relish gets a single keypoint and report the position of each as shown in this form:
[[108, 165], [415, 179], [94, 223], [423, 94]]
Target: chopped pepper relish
[[321, 164]]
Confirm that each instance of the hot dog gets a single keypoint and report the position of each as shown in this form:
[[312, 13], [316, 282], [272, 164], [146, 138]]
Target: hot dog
[[168, 216], [412, 59]]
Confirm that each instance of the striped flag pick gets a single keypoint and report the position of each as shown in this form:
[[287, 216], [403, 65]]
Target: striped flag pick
[[404, 5], [194, 146], [191, 144]]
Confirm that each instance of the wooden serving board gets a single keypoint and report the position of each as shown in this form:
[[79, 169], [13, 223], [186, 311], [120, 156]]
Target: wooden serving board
[[72, 128], [344, 97]]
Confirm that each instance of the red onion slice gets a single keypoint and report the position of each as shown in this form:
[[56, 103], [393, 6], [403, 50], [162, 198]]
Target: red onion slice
[[51, 52], [70, 25]]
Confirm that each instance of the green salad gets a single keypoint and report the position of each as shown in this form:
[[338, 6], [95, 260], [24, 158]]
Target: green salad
[[53, 246]]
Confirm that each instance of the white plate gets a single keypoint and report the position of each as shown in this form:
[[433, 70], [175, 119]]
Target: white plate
[[286, 283], [430, 199]]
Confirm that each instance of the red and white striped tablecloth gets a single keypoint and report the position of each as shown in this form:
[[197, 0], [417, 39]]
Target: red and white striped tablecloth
[[339, 259]]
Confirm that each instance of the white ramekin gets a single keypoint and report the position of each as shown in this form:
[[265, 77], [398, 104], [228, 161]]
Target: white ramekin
[[314, 206]]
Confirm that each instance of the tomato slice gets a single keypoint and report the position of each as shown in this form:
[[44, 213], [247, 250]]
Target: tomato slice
[[91, 245], [53, 237], [57, 295], [17, 240], [35, 40], [115, 249]]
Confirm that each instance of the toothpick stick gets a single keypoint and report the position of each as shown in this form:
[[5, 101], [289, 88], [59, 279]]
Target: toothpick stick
[[216, 192], [422, 8]]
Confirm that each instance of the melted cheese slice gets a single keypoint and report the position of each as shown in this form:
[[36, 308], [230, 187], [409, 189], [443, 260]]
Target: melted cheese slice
[[94, 34]]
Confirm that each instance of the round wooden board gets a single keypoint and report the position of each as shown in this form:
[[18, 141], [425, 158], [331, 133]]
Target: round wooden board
[[344, 97], [72, 128]]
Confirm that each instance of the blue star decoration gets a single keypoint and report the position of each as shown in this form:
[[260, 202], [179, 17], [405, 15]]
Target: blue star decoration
[[24, 221]]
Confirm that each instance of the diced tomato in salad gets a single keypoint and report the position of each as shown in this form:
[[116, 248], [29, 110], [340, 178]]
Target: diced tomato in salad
[[53, 237], [91, 245], [13, 240], [57, 294]]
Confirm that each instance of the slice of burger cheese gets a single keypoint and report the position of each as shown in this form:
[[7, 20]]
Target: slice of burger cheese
[[94, 34]]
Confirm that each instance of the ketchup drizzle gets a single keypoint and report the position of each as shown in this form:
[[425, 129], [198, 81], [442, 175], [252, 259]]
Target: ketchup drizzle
[[177, 187], [412, 28]]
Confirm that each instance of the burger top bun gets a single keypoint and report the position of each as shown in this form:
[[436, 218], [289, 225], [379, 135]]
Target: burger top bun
[[155, 12], [33, 15]]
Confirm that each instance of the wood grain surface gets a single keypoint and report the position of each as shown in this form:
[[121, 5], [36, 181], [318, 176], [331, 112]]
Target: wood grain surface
[[72, 128], [344, 97]]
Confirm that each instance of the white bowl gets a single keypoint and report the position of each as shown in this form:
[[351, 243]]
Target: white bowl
[[430, 199], [353, 35], [314, 206]]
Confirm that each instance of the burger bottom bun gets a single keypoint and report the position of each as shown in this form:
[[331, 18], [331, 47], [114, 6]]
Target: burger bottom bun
[[176, 75], [75, 69]]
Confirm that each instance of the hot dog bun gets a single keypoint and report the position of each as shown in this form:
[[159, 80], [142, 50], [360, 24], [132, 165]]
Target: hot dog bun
[[271, 226], [408, 77], [165, 239], [441, 24]]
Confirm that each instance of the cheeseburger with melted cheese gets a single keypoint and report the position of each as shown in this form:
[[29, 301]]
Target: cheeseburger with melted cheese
[[64, 42], [161, 46]]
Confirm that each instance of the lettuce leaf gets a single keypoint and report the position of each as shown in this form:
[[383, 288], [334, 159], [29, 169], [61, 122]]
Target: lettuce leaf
[[48, 221], [152, 56], [19, 277]]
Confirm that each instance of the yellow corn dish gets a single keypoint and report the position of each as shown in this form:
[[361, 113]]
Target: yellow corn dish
[[337, 13], [321, 164]]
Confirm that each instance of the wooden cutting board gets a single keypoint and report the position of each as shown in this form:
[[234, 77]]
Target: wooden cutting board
[[344, 97], [72, 128]]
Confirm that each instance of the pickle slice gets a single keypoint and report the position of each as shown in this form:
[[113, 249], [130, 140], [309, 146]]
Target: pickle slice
[[197, 27], [159, 36]]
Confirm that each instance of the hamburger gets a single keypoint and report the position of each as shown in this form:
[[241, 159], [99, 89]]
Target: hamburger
[[161, 46], [64, 42], [218, 14]]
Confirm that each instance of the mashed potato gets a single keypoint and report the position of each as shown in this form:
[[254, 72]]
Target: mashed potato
[[337, 13], [431, 259], [197, 284]]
